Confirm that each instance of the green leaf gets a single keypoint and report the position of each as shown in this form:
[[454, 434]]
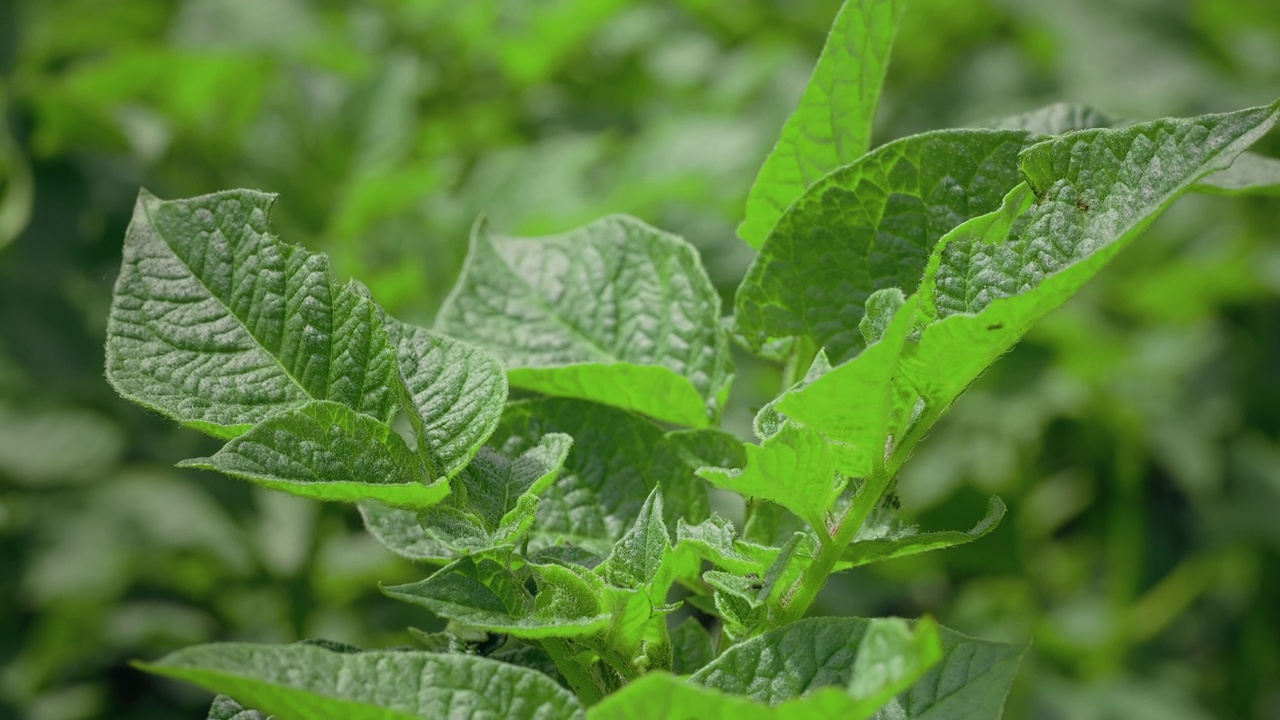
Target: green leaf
[[875, 542], [499, 502], [796, 468], [860, 404], [615, 312], [708, 447], [1055, 119], [224, 708], [616, 460], [832, 125], [327, 451], [1250, 174], [309, 681], [714, 540], [869, 226], [218, 325], [640, 555], [484, 594], [795, 660], [750, 603], [1096, 190], [692, 647], [892, 656], [457, 391]]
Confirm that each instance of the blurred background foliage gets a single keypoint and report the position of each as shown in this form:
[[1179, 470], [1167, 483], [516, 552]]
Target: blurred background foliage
[[1134, 434]]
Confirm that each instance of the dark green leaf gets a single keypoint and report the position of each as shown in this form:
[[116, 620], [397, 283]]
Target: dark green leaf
[[876, 542]]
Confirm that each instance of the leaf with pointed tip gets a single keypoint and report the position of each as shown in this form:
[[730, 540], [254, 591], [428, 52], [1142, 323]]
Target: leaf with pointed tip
[[748, 604], [1096, 191], [218, 325], [869, 226], [616, 460], [875, 543], [328, 451], [692, 647], [832, 125], [1250, 174], [400, 531], [308, 681], [970, 682], [455, 394], [640, 555], [616, 312], [485, 594], [715, 540], [224, 708]]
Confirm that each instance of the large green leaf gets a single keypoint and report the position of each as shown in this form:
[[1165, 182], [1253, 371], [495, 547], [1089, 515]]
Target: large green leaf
[[970, 681], [832, 125], [616, 460], [869, 226], [616, 312], [218, 325], [328, 451], [310, 682], [1095, 190]]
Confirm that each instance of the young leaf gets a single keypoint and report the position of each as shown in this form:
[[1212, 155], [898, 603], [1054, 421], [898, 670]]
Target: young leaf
[[875, 544], [798, 659], [615, 312], [713, 540], [312, 682], [832, 125], [218, 325], [328, 451], [224, 708], [869, 226], [616, 460], [640, 556], [455, 394]]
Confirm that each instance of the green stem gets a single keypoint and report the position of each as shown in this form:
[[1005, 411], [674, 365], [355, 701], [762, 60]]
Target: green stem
[[584, 685], [802, 355]]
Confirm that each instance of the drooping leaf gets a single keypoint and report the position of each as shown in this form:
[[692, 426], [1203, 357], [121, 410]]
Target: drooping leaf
[[218, 325], [1055, 119], [832, 125], [500, 499], [616, 460], [485, 594], [455, 394], [1250, 174], [971, 680], [875, 543], [615, 312], [312, 682], [869, 226], [328, 451], [1096, 190], [224, 708]]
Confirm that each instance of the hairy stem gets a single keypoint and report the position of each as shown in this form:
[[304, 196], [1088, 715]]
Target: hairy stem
[[586, 687]]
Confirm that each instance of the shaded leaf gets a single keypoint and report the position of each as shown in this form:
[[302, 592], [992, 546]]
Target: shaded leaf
[[875, 543]]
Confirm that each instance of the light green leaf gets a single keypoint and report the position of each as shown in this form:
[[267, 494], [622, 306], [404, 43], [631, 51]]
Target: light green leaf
[[328, 451], [457, 391], [875, 542], [484, 594], [799, 659], [218, 325], [616, 312], [892, 656], [641, 554], [860, 404], [1250, 174], [796, 468], [692, 647], [750, 603], [832, 125], [304, 681], [714, 540], [869, 226], [224, 708], [616, 460], [1096, 190]]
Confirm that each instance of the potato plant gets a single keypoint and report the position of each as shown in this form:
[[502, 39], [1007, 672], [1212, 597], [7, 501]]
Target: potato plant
[[545, 450]]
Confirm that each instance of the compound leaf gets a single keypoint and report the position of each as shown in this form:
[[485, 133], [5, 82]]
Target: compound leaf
[[869, 226], [313, 682], [328, 451], [218, 325], [616, 312], [832, 125]]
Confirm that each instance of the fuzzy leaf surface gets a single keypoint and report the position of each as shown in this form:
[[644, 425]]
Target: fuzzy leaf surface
[[328, 451], [310, 682], [218, 325], [869, 226], [832, 125], [224, 708], [616, 312], [875, 542]]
